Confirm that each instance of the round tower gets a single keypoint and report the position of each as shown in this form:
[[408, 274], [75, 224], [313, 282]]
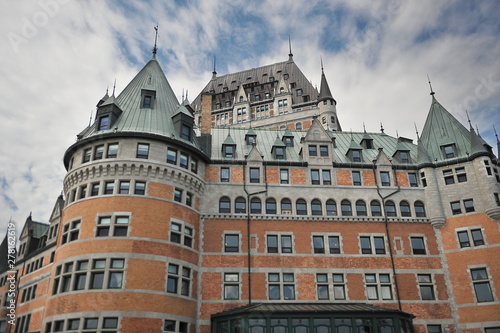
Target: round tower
[[327, 106], [127, 255]]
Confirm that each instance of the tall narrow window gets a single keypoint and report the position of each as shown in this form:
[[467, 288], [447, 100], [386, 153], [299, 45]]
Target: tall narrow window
[[412, 179], [331, 208], [142, 150], [270, 206], [224, 174], [172, 156], [426, 287], [184, 161], [185, 132], [103, 123], [327, 179], [231, 286], [99, 152], [254, 175], [284, 176], [385, 178], [224, 205], [356, 178], [315, 177], [481, 284], [375, 208], [313, 150], [361, 208], [346, 208]]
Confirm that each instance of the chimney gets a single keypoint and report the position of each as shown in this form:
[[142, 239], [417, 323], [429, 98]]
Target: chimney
[[206, 113]]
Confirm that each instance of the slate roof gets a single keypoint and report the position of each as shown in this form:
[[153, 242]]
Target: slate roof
[[259, 78], [266, 138], [304, 308]]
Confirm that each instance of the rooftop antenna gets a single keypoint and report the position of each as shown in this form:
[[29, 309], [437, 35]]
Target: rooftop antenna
[[290, 55], [430, 85], [155, 49]]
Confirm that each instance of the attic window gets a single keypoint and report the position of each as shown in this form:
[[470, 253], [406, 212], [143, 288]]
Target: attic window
[[147, 99], [186, 132], [279, 153], [449, 151], [251, 139], [299, 92], [367, 143], [103, 123], [282, 90], [228, 150], [241, 99], [404, 157], [356, 155], [288, 141]]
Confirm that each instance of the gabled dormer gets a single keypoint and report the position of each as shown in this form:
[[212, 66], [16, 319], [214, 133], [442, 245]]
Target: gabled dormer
[[317, 145], [288, 138], [383, 164], [55, 220], [107, 114], [367, 141], [355, 152], [241, 108], [183, 123], [402, 153], [228, 147], [251, 137], [279, 149]]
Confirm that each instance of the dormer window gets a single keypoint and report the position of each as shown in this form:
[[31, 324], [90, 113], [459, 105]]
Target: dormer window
[[299, 92], [251, 139], [288, 141], [227, 104], [103, 123], [185, 132], [356, 155], [367, 143], [241, 99], [148, 99], [279, 153], [228, 151], [404, 157], [282, 90], [449, 151]]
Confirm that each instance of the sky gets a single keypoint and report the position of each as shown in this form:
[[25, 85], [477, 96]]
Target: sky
[[58, 57]]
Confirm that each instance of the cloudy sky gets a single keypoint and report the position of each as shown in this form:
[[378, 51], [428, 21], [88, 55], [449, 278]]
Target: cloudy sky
[[59, 56]]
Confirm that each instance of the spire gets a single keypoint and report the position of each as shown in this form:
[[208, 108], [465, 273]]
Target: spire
[[214, 73], [114, 87], [498, 141], [290, 55], [324, 89], [430, 85], [468, 120], [155, 49]]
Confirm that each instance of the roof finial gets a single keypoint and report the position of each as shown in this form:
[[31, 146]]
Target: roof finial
[[90, 120], [364, 128], [182, 98], [290, 55], [496, 134], [107, 87], [114, 87], [155, 49], [321, 58], [397, 134], [468, 120], [186, 94], [416, 130], [214, 73], [430, 85], [381, 128]]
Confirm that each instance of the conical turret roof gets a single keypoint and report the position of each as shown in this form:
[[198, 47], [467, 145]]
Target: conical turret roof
[[324, 90]]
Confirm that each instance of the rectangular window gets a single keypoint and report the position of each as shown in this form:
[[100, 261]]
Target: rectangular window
[[417, 245], [112, 150], [338, 286], [185, 132], [86, 155], [140, 188], [315, 177], [327, 179], [356, 155], [412, 179], [94, 189], [323, 150], [231, 286], [284, 176], [378, 286], [99, 152], [481, 283], [172, 156], [228, 151], [83, 192], [124, 186], [194, 165], [469, 205], [173, 278], [279, 244], [461, 175], [455, 207], [109, 187], [449, 151], [224, 174], [356, 178], [231, 243], [434, 329], [281, 286], [254, 175], [318, 244], [112, 226], [475, 234], [372, 242], [178, 195], [426, 287], [279, 153], [189, 199], [103, 123], [184, 161], [142, 150], [313, 150], [322, 286], [385, 178], [71, 232]]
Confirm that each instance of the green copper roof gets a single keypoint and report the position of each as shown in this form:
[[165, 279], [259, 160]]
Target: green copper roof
[[441, 129]]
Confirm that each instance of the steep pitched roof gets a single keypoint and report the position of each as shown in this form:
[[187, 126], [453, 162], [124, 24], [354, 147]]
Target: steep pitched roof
[[442, 129], [324, 91]]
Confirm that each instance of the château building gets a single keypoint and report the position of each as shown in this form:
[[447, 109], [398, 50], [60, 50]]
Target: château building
[[250, 210]]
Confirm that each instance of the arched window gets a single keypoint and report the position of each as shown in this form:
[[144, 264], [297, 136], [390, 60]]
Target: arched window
[[346, 208], [376, 208], [224, 205], [255, 206], [361, 208], [323, 120], [419, 209], [316, 207], [331, 208], [390, 208], [270, 206], [404, 208], [241, 99], [286, 206], [298, 126], [301, 206], [240, 205]]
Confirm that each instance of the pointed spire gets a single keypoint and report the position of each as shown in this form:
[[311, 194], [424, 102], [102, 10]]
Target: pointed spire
[[155, 49], [214, 73], [324, 89], [430, 85], [290, 55]]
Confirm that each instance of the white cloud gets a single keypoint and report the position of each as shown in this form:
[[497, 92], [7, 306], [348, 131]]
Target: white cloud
[[53, 75]]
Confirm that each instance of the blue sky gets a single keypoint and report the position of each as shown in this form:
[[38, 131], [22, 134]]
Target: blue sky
[[59, 56]]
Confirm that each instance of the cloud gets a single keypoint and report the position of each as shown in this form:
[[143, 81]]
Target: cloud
[[60, 56]]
